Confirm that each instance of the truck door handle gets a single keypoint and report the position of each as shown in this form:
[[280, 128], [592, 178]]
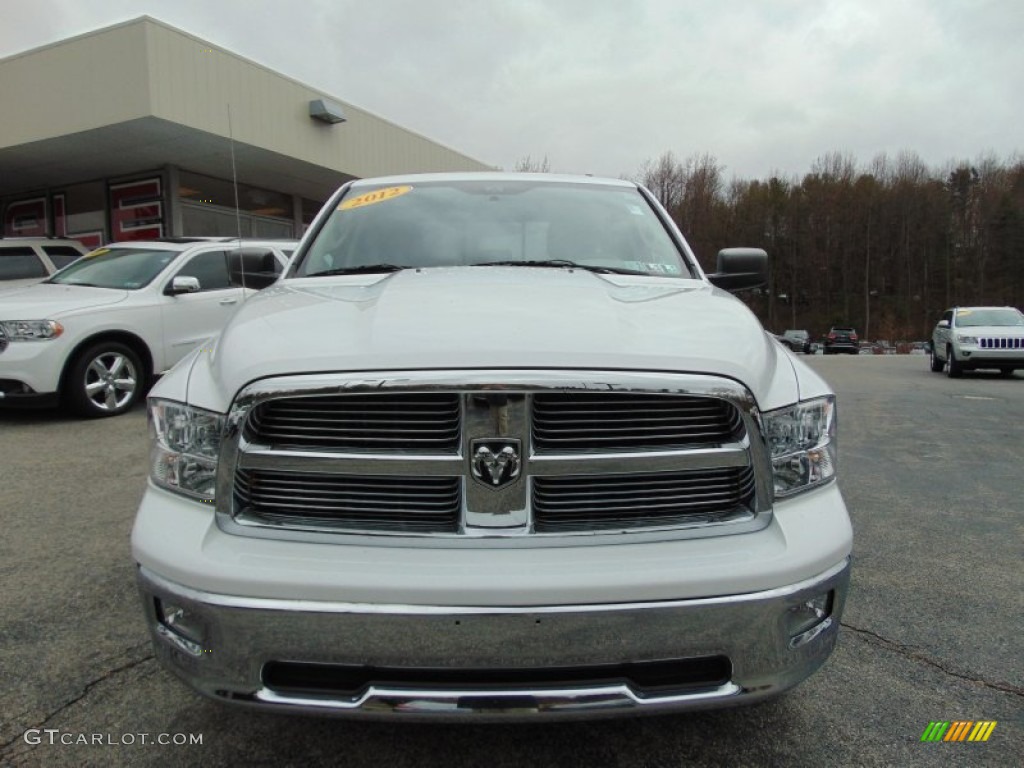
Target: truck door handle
[[228, 301]]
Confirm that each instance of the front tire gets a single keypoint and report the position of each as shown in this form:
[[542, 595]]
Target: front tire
[[956, 368], [104, 380], [937, 364]]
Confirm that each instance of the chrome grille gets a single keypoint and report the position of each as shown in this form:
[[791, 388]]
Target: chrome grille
[[403, 423], [1001, 343], [419, 504], [642, 500], [659, 455], [583, 422]]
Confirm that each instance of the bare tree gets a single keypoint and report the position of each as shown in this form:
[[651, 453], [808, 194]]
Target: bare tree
[[529, 165], [666, 179]]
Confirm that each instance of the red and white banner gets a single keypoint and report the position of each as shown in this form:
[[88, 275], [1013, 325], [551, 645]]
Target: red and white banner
[[136, 210], [26, 218]]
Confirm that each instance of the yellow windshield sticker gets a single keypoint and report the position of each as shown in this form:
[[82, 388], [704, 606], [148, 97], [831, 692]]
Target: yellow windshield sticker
[[97, 252], [377, 196]]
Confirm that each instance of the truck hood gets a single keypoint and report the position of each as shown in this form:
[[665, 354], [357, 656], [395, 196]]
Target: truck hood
[[49, 300], [492, 317]]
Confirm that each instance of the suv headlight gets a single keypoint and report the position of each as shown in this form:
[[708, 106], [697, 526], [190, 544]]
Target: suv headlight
[[31, 330], [185, 446], [802, 441], [967, 339]]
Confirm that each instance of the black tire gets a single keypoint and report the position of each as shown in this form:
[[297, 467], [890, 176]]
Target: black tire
[[105, 379], [956, 368], [937, 364]]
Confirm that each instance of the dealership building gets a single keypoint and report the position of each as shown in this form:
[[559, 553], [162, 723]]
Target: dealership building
[[141, 130]]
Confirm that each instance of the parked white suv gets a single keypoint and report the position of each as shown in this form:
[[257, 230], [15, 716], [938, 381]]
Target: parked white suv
[[27, 260], [494, 446], [968, 338], [94, 334]]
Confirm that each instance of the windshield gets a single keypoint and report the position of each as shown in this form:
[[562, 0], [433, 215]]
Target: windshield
[[124, 268], [972, 318], [479, 223]]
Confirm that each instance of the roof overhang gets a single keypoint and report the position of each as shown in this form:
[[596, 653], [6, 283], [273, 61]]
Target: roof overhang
[[149, 143]]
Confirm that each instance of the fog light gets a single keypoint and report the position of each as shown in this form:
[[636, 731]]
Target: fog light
[[807, 620], [181, 626]]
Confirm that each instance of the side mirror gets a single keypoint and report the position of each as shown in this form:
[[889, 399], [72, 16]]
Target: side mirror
[[740, 269], [182, 284], [943, 324], [253, 267]]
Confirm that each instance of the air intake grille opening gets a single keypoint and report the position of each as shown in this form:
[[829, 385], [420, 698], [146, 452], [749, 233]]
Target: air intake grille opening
[[643, 677]]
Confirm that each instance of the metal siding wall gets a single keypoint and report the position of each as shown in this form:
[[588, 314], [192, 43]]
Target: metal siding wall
[[84, 83], [192, 83]]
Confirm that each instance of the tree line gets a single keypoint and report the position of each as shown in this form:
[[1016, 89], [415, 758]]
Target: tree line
[[884, 248]]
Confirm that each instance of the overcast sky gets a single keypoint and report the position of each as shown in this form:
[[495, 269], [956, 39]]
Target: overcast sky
[[600, 86]]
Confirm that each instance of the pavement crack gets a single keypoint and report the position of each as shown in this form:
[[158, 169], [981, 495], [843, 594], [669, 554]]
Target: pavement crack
[[109, 674], [910, 653]]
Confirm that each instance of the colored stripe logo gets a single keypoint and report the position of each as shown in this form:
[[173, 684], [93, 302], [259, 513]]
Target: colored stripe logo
[[958, 730]]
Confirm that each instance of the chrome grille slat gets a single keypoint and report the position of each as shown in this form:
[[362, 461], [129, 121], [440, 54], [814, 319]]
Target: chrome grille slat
[[993, 342], [568, 503], [581, 422], [427, 504], [359, 422]]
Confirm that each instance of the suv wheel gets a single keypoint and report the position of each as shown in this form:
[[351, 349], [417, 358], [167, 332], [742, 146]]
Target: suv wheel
[[104, 380], [956, 368], [937, 363]]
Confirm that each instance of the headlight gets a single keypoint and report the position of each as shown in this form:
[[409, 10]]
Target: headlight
[[31, 330], [185, 447], [802, 441], [967, 339]]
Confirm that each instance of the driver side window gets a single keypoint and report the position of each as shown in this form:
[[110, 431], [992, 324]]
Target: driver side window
[[210, 268]]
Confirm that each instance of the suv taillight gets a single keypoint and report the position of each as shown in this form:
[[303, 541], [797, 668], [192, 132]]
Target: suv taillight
[[853, 337], [831, 336]]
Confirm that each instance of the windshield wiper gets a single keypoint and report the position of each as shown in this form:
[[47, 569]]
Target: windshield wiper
[[365, 268], [562, 264]]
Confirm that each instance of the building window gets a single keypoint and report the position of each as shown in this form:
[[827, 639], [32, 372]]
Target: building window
[[80, 212], [208, 209]]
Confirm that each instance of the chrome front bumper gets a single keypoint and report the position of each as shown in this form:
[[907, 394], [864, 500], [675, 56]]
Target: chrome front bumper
[[241, 640]]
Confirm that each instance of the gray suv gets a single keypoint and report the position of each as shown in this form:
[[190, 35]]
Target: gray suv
[[966, 338]]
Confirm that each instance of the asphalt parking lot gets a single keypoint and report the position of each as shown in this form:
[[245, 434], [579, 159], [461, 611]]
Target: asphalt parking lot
[[931, 471]]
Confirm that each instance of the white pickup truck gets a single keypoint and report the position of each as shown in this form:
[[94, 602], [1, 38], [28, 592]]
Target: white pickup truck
[[493, 447]]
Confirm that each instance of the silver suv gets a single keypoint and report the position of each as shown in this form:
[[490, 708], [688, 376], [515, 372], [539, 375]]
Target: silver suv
[[26, 260], [966, 338]]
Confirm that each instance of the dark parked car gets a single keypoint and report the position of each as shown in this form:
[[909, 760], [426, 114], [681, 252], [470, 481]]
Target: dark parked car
[[841, 339], [798, 341]]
